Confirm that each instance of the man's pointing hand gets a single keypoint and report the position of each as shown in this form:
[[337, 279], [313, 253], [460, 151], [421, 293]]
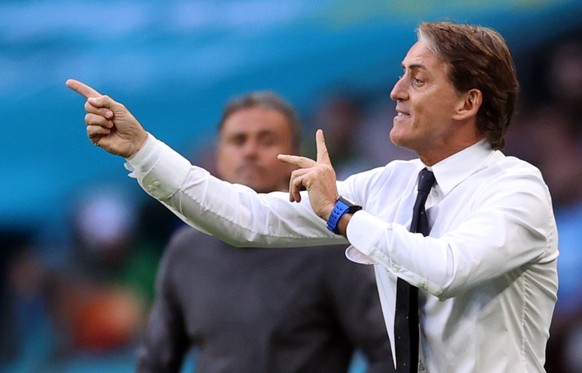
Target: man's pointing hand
[[109, 124]]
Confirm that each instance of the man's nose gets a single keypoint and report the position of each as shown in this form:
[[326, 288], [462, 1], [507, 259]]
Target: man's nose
[[250, 148], [399, 91]]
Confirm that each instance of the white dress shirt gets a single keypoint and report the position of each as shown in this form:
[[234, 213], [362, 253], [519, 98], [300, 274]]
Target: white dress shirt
[[486, 273]]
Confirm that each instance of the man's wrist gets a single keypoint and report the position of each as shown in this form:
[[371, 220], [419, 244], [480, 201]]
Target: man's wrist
[[149, 138], [342, 207]]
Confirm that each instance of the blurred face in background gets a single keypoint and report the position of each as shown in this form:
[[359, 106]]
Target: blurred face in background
[[249, 142]]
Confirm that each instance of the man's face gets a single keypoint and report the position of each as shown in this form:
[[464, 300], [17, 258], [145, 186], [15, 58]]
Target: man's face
[[248, 146], [425, 103]]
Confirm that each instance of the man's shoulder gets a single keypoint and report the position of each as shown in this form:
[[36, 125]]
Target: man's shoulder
[[186, 232], [513, 167], [186, 237]]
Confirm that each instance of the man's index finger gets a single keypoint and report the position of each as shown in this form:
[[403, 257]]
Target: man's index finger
[[82, 89]]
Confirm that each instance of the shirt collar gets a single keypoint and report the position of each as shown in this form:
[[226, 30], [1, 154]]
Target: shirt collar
[[453, 170]]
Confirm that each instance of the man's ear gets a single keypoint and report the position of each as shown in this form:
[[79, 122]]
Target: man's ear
[[469, 104]]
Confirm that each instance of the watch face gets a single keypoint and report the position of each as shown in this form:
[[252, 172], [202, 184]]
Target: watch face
[[346, 201]]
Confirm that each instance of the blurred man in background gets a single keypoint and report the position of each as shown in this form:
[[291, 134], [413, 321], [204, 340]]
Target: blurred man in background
[[256, 310]]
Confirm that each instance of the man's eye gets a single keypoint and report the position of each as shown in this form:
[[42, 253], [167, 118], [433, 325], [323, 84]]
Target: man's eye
[[237, 140], [417, 82], [268, 141]]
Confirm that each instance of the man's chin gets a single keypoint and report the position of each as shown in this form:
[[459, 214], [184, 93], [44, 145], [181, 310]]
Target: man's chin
[[397, 139], [252, 182], [260, 188]]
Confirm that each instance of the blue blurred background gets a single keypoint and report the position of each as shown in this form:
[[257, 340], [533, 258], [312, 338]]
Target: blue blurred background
[[174, 64]]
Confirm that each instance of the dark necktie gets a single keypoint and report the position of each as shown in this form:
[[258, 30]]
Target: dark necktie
[[406, 320]]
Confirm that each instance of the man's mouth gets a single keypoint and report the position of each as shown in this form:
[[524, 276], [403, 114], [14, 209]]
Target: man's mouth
[[401, 115]]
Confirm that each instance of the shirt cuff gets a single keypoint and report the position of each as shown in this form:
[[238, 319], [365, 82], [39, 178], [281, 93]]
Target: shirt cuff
[[159, 169], [145, 157], [364, 232]]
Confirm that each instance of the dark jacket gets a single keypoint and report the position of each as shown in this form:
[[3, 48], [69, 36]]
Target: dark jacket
[[248, 310]]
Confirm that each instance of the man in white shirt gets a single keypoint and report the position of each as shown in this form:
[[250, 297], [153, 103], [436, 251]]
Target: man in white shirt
[[486, 273]]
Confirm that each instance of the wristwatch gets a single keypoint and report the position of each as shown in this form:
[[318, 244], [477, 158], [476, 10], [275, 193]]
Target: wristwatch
[[342, 206]]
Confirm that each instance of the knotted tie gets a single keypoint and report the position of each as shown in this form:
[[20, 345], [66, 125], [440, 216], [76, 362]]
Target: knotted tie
[[406, 320]]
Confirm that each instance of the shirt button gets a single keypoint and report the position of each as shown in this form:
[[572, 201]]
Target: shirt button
[[153, 186]]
